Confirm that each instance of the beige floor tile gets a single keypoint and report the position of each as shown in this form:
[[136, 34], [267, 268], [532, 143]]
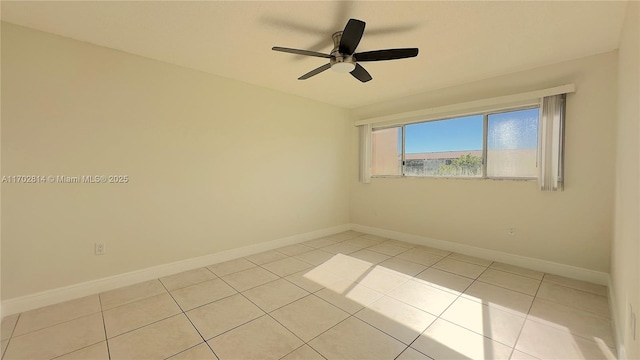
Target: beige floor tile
[[309, 317], [247, 279], [498, 297], [519, 355], [403, 244], [3, 345], [314, 279], [403, 266], [187, 278], [375, 237], [577, 284], [496, 324], [231, 266], [444, 340], [363, 242], [517, 270], [349, 296], [275, 294], [340, 237], [369, 256], [199, 352], [131, 293], [269, 340], [57, 340], [56, 314], [223, 315], [340, 248], [583, 323], [354, 339], [94, 352], [402, 321], [383, 280], [353, 233], [510, 281], [460, 268], [546, 342], [319, 243], [388, 249], [574, 298], [294, 249], [356, 242], [8, 325], [434, 251], [203, 293], [156, 341], [346, 267], [423, 296], [140, 313], [266, 257], [303, 353], [315, 257], [286, 266], [443, 280], [411, 354], [470, 259], [420, 256]]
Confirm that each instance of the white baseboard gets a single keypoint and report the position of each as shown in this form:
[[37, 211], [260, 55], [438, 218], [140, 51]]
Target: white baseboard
[[53, 296], [550, 267], [618, 331]]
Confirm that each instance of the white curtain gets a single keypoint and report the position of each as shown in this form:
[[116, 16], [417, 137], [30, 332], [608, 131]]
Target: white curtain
[[365, 153], [551, 146]]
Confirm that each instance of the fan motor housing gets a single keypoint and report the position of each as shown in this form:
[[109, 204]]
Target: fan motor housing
[[341, 63]]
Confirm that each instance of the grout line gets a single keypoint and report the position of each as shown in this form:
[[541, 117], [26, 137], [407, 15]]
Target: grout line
[[526, 317], [52, 325], [13, 330], [191, 322], [104, 324]]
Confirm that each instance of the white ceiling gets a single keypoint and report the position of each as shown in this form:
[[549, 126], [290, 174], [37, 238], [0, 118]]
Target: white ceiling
[[459, 42]]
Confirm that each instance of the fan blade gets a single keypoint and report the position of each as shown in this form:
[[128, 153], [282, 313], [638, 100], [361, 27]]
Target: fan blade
[[315, 72], [301, 52], [351, 36], [389, 54], [361, 74]]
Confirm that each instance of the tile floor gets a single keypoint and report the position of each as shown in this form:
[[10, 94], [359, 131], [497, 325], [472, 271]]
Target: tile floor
[[344, 296]]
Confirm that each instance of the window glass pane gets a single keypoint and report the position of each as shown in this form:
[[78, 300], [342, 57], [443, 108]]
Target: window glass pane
[[451, 147], [512, 142], [386, 154]]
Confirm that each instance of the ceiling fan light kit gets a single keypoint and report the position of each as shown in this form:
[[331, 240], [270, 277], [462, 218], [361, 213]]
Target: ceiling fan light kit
[[344, 59]]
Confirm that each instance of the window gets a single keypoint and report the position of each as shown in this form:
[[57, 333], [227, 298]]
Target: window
[[451, 147], [512, 144], [517, 136], [386, 148], [486, 145]]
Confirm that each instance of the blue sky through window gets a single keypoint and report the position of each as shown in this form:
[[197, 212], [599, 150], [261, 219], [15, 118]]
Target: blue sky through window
[[457, 134], [508, 130]]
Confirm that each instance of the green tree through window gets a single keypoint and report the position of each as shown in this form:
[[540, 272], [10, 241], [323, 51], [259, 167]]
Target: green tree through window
[[465, 165]]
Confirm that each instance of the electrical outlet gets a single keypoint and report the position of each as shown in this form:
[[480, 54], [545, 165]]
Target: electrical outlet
[[511, 231], [100, 248]]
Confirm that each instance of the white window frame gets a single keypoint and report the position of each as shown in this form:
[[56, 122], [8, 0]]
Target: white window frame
[[484, 106], [485, 129]]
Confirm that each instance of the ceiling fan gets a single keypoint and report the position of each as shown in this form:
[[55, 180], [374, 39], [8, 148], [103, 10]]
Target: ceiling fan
[[343, 57]]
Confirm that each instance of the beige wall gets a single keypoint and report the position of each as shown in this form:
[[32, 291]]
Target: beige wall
[[625, 256], [571, 227], [213, 164]]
